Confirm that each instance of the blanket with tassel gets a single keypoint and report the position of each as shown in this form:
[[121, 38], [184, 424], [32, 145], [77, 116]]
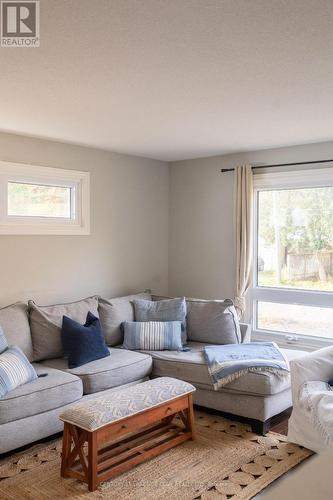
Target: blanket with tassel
[[229, 362]]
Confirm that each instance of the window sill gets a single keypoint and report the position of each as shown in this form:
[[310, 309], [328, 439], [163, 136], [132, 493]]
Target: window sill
[[303, 343]]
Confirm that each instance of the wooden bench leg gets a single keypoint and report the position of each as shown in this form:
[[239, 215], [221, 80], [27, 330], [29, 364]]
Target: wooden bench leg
[[66, 449], [190, 414], [92, 461]]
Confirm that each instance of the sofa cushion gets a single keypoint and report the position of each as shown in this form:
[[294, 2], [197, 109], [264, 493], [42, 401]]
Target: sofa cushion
[[113, 312], [120, 368], [213, 322], [191, 367], [46, 321], [14, 320], [43, 394]]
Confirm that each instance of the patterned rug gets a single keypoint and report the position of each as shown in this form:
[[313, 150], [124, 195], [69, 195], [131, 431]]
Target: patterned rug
[[225, 461]]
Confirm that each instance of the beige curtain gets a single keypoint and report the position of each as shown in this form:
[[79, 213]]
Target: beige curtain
[[243, 234]]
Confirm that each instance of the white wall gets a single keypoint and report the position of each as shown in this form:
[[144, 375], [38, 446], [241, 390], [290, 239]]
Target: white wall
[[201, 250], [128, 246]]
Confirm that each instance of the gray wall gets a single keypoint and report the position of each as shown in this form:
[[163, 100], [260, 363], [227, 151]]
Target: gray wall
[[128, 246], [201, 246], [132, 214]]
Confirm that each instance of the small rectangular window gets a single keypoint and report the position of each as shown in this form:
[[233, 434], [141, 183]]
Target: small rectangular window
[[43, 200], [37, 200]]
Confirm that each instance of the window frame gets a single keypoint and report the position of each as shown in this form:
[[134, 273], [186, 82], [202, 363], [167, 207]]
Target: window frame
[[77, 181], [321, 177]]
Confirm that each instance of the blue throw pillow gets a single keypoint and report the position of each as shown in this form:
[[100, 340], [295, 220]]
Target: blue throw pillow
[[15, 370], [83, 343], [3, 341], [162, 310], [153, 335]]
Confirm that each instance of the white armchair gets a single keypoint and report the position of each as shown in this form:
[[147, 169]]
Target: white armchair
[[311, 421]]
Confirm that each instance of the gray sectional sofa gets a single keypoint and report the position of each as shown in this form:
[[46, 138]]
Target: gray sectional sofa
[[31, 411]]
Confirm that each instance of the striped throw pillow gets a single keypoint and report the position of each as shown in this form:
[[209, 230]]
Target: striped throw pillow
[[15, 370], [3, 341], [153, 335]]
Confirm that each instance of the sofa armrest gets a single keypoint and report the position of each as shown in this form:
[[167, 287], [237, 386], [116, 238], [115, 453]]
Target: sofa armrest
[[245, 332], [316, 365]]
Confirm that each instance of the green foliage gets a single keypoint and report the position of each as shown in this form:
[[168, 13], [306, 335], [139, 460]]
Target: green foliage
[[268, 278], [304, 218]]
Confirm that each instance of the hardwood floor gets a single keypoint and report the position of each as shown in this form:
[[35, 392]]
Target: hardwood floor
[[280, 423]]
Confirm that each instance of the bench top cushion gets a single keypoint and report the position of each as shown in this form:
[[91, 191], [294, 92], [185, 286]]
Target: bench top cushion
[[96, 413]]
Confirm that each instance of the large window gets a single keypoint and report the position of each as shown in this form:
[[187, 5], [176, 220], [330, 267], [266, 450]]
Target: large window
[[293, 276], [42, 200]]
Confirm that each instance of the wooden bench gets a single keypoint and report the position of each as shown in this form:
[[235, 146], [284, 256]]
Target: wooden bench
[[106, 436]]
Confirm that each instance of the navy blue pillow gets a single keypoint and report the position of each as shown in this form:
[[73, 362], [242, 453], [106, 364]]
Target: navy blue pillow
[[83, 343]]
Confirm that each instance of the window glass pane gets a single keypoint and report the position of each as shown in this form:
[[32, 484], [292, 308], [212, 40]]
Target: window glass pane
[[295, 319], [295, 238], [34, 200]]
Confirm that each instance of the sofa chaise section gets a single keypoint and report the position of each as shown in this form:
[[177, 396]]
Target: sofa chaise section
[[255, 396]]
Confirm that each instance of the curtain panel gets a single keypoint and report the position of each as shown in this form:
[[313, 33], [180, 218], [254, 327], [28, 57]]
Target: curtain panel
[[243, 234]]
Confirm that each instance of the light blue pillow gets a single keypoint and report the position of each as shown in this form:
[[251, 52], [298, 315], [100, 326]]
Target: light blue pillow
[[153, 335], [162, 310], [3, 341], [15, 370]]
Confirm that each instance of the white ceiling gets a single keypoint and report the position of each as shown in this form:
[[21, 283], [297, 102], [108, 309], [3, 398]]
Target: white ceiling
[[174, 79]]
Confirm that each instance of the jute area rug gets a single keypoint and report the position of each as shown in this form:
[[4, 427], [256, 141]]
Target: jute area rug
[[225, 461]]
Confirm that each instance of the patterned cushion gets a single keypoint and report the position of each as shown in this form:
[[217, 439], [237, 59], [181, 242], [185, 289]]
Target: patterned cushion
[[3, 341], [153, 335], [161, 310], [124, 403], [15, 370]]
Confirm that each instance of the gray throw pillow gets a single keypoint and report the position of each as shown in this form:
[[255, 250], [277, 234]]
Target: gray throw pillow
[[113, 312], [14, 320], [162, 310], [46, 322], [213, 322], [3, 341]]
